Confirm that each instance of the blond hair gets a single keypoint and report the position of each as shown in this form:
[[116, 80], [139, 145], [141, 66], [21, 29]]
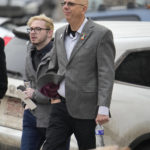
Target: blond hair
[[49, 22]]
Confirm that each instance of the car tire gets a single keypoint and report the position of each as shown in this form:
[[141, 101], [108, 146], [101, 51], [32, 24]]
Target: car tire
[[143, 146], [141, 143]]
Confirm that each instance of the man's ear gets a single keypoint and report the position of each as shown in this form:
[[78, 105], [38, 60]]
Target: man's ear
[[50, 33], [85, 8]]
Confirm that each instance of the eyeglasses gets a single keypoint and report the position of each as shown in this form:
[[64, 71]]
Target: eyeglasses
[[36, 30], [70, 4]]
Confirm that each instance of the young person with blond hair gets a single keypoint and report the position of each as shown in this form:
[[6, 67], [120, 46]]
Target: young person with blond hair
[[35, 122]]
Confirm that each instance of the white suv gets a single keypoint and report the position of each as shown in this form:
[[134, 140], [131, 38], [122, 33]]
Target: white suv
[[130, 123]]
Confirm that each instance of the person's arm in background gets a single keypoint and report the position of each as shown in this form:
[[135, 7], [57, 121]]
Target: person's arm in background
[[3, 70]]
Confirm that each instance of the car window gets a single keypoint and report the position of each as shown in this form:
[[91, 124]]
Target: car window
[[118, 18], [15, 57], [135, 68]]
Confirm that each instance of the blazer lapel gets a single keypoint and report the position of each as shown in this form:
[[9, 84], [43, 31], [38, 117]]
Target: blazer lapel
[[82, 39], [62, 44]]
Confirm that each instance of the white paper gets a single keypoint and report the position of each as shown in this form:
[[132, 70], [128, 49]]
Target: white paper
[[27, 101]]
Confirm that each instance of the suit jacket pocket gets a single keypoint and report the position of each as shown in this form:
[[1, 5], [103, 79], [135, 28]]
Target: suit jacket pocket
[[88, 89]]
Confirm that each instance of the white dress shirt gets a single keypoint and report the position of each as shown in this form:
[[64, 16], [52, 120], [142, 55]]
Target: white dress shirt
[[70, 42]]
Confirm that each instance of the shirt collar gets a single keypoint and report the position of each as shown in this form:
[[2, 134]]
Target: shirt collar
[[42, 52], [82, 26], [80, 29]]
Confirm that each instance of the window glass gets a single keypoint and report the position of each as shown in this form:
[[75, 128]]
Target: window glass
[[135, 69], [15, 57], [94, 4], [118, 18]]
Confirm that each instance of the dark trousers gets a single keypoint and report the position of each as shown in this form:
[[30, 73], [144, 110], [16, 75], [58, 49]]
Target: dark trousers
[[62, 125], [32, 137]]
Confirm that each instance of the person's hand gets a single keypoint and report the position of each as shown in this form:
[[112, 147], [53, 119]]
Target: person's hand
[[101, 119], [29, 92]]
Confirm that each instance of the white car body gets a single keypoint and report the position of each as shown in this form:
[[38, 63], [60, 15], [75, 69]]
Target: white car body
[[130, 122], [130, 102], [5, 33]]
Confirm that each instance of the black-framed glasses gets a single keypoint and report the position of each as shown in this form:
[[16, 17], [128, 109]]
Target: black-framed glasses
[[70, 4], [36, 30]]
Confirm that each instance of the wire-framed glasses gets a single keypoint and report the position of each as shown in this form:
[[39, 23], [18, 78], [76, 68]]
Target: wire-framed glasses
[[36, 30]]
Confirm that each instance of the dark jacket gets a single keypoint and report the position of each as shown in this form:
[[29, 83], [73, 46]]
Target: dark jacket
[[3, 71], [43, 104]]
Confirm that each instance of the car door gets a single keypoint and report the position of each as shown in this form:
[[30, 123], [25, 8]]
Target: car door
[[130, 101]]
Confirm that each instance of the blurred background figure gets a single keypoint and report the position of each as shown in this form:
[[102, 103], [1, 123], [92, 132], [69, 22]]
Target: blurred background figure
[[47, 7], [3, 72]]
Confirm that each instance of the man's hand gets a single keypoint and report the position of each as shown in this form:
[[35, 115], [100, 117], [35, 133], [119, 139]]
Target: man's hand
[[101, 119], [29, 92]]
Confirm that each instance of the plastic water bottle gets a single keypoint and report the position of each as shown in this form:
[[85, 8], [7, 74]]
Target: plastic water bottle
[[99, 132]]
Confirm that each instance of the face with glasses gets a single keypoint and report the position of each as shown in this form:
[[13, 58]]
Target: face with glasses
[[74, 9], [39, 34], [36, 30]]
